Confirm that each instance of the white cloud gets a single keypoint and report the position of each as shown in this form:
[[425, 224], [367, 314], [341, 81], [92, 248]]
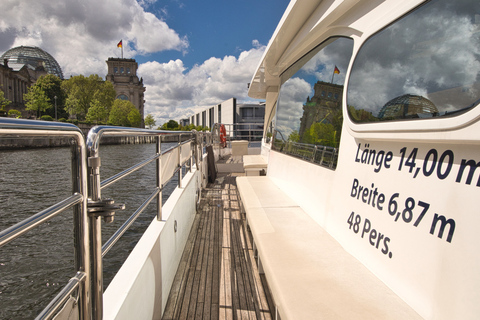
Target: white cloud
[[173, 92], [81, 39], [432, 53], [82, 34], [290, 107]]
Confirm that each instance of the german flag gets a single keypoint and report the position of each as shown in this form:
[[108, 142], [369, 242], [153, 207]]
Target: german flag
[[119, 45], [336, 71]]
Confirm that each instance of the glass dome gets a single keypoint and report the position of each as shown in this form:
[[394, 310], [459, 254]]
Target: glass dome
[[23, 55], [407, 106]]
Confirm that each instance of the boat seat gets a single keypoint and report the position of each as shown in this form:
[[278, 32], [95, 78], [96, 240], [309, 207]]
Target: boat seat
[[309, 273], [254, 164]]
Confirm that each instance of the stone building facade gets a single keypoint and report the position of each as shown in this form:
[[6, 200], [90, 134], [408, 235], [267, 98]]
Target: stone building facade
[[323, 106], [123, 74], [15, 83], [20, 67]]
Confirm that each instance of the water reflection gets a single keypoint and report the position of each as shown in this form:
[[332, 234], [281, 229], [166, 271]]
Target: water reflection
[[425, 64], [35, 267], [309, 112], [312, 92]]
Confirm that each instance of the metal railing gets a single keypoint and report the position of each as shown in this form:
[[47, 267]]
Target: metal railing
[[88, 205], [322, 155], [168, 164], [14, 128], [251, 132]]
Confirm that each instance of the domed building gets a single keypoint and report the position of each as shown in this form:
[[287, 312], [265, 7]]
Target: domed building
[[32, 57], [21, 68], [407, 106]]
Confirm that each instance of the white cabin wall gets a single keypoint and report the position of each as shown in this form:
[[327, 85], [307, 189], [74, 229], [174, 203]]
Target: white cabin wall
[[439, 279]]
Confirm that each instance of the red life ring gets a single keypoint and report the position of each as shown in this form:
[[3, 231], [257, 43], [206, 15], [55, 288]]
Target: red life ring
[[223, 136]]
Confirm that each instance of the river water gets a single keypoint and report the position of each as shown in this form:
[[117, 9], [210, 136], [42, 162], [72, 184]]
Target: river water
[[35, 267]]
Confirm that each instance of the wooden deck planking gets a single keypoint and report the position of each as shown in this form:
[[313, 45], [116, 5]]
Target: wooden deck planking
[[218, 277]]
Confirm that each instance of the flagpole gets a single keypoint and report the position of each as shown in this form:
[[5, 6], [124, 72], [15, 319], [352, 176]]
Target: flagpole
[[122, 50], [333, 75]]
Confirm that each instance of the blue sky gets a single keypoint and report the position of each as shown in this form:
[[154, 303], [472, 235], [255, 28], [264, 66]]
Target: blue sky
[[191, 54], [218, 28]]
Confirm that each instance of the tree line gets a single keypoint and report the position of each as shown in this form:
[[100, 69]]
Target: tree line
[[90, 99], [175, 126]]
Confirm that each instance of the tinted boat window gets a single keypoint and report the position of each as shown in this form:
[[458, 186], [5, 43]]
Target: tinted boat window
[[309, 108], [424, 65]]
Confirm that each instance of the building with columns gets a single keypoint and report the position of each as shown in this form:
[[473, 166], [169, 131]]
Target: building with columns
[[123, 74], [20, 67]]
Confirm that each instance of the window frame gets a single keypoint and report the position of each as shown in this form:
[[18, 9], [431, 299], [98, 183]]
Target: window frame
[[287, 74], [407, 127]]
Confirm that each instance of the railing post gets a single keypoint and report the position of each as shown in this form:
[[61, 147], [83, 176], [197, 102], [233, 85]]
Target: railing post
[[192, 152], [159, 178], [82, 227], [180, 160], [96, 250], [334, 154], [314, 153]]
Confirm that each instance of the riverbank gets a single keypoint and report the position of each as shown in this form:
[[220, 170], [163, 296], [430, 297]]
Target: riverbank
[[55, 142]]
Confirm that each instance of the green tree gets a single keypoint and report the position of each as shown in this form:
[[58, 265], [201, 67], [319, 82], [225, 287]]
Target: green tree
[[105, 95], [321, 134], [14, 113], [134, 117], [361, 115], [125, 114], [3, 103], [36, 100], [97, 113], [189, 127], [82, 91], [149, 121], [52, 86], [294, 136], [170, 125]]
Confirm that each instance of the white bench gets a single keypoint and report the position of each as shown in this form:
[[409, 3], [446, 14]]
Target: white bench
[[239, 147], [309, 273], [254, 164]]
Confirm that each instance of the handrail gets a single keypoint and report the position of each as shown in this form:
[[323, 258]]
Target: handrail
[[95, 187], [15, 128], [308, 152], [107, 182], [236, 131], [54, 306], [87, 285], [128, 223], [34, 221]]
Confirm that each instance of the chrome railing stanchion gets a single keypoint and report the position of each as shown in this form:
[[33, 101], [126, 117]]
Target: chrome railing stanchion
[[88, 205], [180, 160], [82, 226], [159, 177], [96, 241], [78, 200]]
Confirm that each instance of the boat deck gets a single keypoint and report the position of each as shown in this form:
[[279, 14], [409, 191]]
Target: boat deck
[[218, 276]]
